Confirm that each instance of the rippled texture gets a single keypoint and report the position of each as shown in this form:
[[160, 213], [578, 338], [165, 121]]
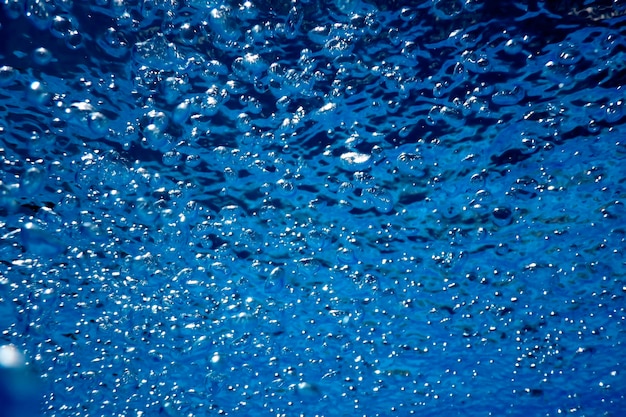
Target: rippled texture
[[341, 208]]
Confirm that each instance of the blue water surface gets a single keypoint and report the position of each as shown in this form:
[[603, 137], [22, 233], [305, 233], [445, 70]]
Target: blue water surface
[[312, 208]]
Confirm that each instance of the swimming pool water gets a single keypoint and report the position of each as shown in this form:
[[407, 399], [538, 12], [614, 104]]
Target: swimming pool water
[[312, 208]]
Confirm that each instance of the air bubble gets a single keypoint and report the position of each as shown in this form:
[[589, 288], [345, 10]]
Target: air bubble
[[476, 63], [502, 216], [477, 107], [247, 11], [446, 9], [484, 89], [593, 127], [42, 56], [181, 113], [408, 14], [172, 158], [379, 199], [188, 34], [346, 256], [156, 118], [157, 52], [223, 24], [38, 13], [411, 164], [38, 93], [285, 188], [62, 26], [355, 161], [98, 124], [318, 239], [13, 8], [74, 40], [525, 188], [508, 97], [472, 6], [32, 181], [556, 72], [114, 43], [275, 282], [503, 249], [440, 89], [41, 242], [19, 385], [155, 138], [614, 111], [249, 66], [513, 46], [308, 391], [570, 54], [309, 268], [7, 75], [337, 47], [294, 20], [244, 122], [449, 115]]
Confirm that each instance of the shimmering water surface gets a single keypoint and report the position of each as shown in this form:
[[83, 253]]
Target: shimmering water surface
[[318, 208]]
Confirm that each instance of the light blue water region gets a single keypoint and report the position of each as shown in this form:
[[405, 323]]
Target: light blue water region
[[312, 208]]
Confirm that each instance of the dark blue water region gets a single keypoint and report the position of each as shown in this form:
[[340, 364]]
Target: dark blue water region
[[312, 208]]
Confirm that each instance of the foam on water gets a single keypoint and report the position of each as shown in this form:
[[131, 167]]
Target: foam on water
[[332, 208]]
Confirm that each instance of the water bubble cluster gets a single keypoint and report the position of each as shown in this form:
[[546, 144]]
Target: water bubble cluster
[[339, 208]]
